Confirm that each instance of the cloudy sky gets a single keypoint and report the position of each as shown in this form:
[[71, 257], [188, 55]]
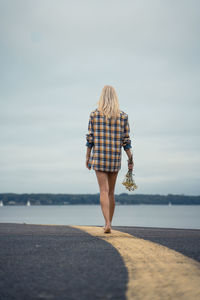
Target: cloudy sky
[[56, 56]]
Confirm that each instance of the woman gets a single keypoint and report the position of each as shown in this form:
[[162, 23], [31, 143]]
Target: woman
[[108, 131]]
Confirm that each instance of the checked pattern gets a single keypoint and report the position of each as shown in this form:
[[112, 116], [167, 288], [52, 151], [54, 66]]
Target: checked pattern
[[106, 138]]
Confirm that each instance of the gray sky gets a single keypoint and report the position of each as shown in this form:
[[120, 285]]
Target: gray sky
[[56, 56]]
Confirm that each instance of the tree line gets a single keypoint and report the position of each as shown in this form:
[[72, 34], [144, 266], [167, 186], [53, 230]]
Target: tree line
[[73, 199]]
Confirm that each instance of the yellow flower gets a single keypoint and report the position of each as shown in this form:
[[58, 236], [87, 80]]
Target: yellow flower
[[129, 182]]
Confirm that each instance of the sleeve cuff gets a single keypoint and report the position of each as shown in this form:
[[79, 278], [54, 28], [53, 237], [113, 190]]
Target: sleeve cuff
[[128, 146], [90, 145]]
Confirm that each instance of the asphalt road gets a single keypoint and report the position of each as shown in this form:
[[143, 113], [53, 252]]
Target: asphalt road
[[60, 262], [185, 241]]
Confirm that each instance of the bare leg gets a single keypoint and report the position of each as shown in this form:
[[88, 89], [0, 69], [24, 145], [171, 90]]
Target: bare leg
[[102, 178], [112, 177]]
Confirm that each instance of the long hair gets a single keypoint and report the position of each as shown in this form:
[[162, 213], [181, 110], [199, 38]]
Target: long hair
[[108, 103]]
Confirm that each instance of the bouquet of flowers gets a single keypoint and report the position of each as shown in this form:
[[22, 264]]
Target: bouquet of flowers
[[128, 181]]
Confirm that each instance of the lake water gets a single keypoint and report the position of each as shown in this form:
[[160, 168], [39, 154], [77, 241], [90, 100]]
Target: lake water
[[174, 216]]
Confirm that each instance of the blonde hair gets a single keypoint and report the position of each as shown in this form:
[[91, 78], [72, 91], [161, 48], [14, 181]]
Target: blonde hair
[[108, 103]]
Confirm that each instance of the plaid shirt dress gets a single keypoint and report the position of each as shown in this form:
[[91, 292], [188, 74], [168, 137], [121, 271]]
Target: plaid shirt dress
[[106, 140]]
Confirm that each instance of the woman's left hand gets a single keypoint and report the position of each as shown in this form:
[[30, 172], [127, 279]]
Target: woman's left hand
[[87, 161]]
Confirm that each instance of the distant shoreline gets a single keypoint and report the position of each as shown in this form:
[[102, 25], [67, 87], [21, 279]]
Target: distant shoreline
[[94, 199], [91, 204]]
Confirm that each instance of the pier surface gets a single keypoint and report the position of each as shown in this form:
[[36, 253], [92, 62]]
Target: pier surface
[[81, 262]]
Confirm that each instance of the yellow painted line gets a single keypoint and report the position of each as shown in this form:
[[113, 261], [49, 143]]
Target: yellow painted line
[[154, 271]]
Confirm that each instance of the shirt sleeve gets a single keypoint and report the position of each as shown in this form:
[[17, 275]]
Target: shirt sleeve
[[126, 141], [90, 134]]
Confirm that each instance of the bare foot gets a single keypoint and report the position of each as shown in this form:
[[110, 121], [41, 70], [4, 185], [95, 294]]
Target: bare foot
[[107, 229], [104, 226]]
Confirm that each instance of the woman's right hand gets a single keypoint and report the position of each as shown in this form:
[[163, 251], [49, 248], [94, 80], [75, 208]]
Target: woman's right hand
[[130, 163], [130, 166]]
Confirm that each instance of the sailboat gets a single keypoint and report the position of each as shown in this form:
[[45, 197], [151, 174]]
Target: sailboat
[[169, 204], [28, 203], [1, 203]]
